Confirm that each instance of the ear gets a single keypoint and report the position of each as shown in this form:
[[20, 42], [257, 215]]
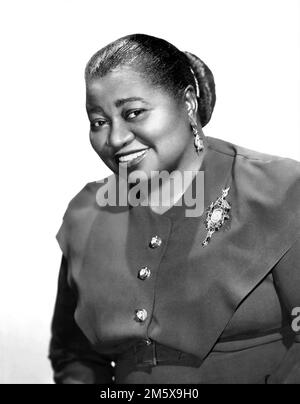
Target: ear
[[191, 103]]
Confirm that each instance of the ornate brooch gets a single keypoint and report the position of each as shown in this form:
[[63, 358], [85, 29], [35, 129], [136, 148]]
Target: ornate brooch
[[216, 214]]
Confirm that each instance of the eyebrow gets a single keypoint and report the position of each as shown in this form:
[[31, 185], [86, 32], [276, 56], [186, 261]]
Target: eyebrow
[[123, 101], [118, 103]]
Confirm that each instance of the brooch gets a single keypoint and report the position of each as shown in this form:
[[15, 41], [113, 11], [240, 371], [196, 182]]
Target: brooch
[[217, 213]]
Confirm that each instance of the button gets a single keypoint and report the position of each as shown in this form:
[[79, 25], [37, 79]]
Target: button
[[155, 242], [141, 315], [144, 273], [148, 341]]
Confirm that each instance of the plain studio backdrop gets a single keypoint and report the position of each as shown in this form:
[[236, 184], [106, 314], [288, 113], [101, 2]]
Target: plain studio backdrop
[[252, 48]]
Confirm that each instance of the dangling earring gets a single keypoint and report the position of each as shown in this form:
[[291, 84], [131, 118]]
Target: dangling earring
[[198, 142]]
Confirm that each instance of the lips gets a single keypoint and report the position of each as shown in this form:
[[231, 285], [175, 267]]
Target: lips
[[127, 158]]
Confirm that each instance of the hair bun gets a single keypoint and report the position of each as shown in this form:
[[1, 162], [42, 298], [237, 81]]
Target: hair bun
[[206, 84]]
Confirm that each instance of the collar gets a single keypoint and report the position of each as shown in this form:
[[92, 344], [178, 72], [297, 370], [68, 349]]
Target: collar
[[215, 174]]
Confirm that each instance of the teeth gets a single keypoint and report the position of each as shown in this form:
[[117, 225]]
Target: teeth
[[132, 156]]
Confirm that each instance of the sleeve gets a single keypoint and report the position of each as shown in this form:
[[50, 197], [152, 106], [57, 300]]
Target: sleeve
[[72, 358], [61, 238], [287, 280]]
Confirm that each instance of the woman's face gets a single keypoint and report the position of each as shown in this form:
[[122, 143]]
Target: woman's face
[[136, 125]]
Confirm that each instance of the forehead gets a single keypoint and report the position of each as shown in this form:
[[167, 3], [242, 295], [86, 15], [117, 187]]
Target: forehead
[[123, 80], [124, 83]]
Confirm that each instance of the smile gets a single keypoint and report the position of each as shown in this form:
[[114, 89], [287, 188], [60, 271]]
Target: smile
[[133, 158]]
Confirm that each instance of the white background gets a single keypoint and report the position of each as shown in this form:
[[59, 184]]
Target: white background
[[252, 47]]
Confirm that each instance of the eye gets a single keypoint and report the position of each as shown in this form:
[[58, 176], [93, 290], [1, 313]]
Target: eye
[[97, 124], [134, 114]]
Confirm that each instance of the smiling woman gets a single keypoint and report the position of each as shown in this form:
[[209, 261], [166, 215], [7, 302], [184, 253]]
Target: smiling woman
[[128, 116], [171, 298]]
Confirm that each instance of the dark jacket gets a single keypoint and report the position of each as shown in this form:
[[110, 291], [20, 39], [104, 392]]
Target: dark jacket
[[215, 314]]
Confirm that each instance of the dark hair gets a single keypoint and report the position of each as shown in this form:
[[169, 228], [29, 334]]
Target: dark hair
[[162, 65]]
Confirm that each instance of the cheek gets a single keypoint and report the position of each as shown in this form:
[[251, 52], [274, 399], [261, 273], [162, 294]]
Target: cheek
[[162, 126], [97, 142], [171, 135]]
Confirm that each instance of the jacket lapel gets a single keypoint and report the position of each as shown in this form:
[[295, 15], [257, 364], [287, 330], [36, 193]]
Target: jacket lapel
[[239, 256]]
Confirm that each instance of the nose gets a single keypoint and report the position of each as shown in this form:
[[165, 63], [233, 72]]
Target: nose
[[119, 135]]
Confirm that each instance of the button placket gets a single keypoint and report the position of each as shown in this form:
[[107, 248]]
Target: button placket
[[144, 273]]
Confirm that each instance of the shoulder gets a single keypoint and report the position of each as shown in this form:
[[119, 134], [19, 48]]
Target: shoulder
[[86, 197], [261, 171], [266, 187], [79, 216], [243, 153]]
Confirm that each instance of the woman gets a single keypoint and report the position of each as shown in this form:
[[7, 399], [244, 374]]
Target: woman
[[171, 296]]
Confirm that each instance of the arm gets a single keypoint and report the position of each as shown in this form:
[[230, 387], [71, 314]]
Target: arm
[[72, 357], [287, 280]]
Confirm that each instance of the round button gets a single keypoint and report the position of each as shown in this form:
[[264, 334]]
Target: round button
[[155, 242], [141, 315], [144, 273], [148, 341]]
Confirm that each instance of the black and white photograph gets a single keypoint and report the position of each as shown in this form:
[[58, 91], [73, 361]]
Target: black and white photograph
[[151, 194]]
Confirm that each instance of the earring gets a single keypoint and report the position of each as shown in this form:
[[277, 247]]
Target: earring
[[198, 142]]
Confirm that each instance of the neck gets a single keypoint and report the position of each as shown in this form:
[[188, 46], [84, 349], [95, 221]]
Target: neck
[[169, 191]]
